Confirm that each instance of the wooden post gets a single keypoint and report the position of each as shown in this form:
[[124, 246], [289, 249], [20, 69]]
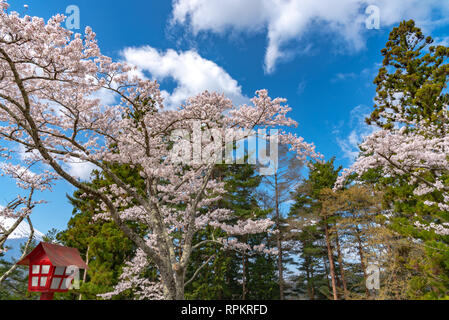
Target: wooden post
[[47, 295]]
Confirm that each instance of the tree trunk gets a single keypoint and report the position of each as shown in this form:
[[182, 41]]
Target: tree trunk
[[312, 285], [309, 274], [180, 288], [331, 261], [173, 290], [309, 282], [362, 261], [342, 269], [327, 274], [279, 240], [85, 271], [179, 283], [243, 276]]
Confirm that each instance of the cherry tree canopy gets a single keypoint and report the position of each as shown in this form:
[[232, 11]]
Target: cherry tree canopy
[[51, 83], [415, 150]]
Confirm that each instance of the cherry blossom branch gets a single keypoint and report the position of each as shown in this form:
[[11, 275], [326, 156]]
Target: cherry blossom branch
[[198, 270], [430, 184], [24, 252], [11, 207]]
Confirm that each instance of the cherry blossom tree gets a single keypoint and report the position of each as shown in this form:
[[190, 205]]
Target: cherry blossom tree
[[420, 155], [51, 84], [21, 208]]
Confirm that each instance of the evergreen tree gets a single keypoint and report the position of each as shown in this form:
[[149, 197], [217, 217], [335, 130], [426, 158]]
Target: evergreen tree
[[311, 226], [231, 274], [412, 85], [412, 81]]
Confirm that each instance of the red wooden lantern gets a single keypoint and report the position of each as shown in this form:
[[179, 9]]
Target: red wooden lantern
[[52, 268]]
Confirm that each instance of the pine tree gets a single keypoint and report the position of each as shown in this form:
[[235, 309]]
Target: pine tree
[[412, 81], [308, 217]]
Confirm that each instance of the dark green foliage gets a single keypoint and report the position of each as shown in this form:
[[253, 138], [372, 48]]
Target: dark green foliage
[[223, 277], [102, 242], [413, 78], [306, 224]]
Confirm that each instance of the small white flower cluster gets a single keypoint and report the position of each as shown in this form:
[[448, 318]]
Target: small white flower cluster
[[410, 154], [440, 229]]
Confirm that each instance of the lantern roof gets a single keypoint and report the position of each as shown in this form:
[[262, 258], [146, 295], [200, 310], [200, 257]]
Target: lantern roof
[[59, 256]]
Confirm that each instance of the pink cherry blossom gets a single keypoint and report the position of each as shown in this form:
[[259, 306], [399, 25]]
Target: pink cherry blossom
[[50, 82]]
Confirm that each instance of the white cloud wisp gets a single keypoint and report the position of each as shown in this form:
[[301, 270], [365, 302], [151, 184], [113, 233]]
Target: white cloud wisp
[[284, 21]]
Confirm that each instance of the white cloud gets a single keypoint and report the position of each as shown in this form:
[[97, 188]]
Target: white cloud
[[301, 87], [80, 170], [441, 41], [106, 97], [191, 73], [75, 167], [359, 130], [344, 76], [221, 15], [287, 20], [26, 155]]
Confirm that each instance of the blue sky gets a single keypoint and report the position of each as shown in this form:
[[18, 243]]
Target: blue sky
[[317, 54]]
